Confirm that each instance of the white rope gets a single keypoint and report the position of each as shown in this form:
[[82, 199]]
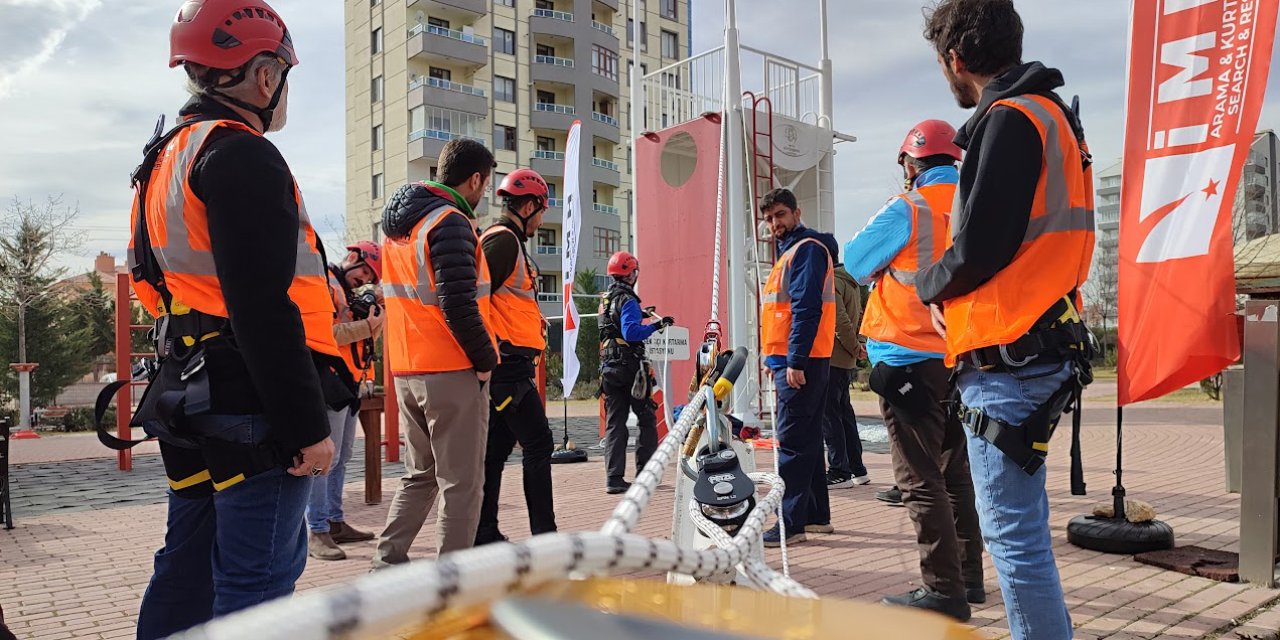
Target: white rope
[[386, 600], [715, 266]]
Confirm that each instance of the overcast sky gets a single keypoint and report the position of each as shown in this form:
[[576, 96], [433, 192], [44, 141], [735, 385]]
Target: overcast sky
[[82, 81]]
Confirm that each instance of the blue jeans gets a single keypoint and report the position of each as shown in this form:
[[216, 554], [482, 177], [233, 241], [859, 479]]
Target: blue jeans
[[800, 454], [325, 504], [1013, 507], [231, 550]]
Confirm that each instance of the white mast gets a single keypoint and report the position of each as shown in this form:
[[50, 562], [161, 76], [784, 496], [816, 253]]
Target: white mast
[[740, 300]]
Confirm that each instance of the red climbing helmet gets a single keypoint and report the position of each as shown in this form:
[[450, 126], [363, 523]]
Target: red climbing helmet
[[524, 182], [370, 254], [227, 34], [623, 264], [930, 138]]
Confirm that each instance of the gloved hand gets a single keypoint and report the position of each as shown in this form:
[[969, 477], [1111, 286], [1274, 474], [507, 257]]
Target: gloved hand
[[665, 322]]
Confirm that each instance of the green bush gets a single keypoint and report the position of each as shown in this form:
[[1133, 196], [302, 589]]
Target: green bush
[[81, 419]]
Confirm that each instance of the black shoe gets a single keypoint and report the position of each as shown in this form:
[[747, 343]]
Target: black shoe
[[489, 536], [892, 496], [617, 486], [931, 601], [975, 595]]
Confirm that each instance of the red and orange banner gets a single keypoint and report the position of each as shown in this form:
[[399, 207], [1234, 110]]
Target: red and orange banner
[[1197, 75]]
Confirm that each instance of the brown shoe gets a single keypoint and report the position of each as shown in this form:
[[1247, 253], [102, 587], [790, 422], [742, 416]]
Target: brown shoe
[[343, 533], [322, 547]]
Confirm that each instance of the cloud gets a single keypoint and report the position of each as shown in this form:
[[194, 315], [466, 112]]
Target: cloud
[[24, 19]]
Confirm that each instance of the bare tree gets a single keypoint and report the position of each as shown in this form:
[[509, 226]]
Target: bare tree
[[32, 236], [1102, 290]]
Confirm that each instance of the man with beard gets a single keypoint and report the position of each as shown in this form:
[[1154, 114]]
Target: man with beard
[[1005, 295]]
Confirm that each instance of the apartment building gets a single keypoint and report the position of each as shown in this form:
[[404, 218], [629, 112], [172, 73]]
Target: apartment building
[[514, 74]]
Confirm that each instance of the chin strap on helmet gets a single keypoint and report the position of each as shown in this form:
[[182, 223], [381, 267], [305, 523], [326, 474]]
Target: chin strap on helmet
[[265, 114]]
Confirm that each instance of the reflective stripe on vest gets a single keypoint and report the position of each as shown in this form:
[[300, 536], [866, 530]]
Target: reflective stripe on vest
[[1056, 249], [517, 318], [178, 231], [775, 316], [418, 339], [894, 312]]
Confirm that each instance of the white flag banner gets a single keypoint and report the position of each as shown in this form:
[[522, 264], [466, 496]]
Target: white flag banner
[[569, 258]]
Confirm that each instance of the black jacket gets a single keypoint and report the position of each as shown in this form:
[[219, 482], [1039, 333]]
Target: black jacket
[[1003, 154], [248, 190], [452, 246]]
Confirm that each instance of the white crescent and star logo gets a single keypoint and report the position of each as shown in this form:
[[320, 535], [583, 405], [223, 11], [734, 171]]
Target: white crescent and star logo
[[1181, 201]]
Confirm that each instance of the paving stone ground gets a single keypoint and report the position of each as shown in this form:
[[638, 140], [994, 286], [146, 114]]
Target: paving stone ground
[[77, 563]]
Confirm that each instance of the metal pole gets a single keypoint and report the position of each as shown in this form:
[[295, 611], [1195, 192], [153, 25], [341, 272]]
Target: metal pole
[[637, 110], [826, 163], [124, 368], [1259, 515], [736, 235]]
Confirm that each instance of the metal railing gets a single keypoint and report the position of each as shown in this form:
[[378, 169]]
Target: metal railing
[[446, 85], [545, 250], [600, 26], [438, 134], [447, 33], [605, 118], [604, 208], [551, 107], [554, 61], [605, 164], [553, 14], [554, 202], [550, 297], [548, 155]]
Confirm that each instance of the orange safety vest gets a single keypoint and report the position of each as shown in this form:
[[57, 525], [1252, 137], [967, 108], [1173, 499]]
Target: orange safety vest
[[775, 314], [178, 228], [418, 339], [516, 317], [1056, 250], [341, 316], [894, 312]]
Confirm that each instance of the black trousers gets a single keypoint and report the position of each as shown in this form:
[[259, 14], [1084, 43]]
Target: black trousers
[[615, 381], [516, 415], [931, 467], [840, 427]]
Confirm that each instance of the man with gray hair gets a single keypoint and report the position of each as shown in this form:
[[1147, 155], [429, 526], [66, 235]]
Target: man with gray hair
[[224, 256]]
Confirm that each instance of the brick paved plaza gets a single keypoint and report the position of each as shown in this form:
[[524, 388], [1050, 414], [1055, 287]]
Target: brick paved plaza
[[78, 560]]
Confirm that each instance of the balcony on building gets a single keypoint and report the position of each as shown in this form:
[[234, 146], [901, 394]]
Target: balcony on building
[[604, 110], [609, 4], [606, 69], [550, 63], [603, 33], [552, 109], [605, 171], [472, 8], [438, 89], [432, 127], [554, 19], [441, 35], [547, 162]]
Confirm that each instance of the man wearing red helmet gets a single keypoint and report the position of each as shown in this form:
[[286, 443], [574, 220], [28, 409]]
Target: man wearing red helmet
[[516, 413], [355, 326], [930, 462], [623, 364], [224, 255]]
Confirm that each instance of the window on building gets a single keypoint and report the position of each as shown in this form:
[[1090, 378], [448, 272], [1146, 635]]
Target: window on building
[[602, 282], [607, 242], [504, 138], [546, 50], [376, 89], [375, 41], [492, 189], [669, 9], [546, 237], [644, 37], [439, 22], [546, 144], [378, 186], [670, 44], [546, 97], [377, 137], [440, 74], [631, 31], [433, 173], [548, 284], [504, 41], [604, 62], [545, 4], [374, 3], [505, 3], [504, 89]]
